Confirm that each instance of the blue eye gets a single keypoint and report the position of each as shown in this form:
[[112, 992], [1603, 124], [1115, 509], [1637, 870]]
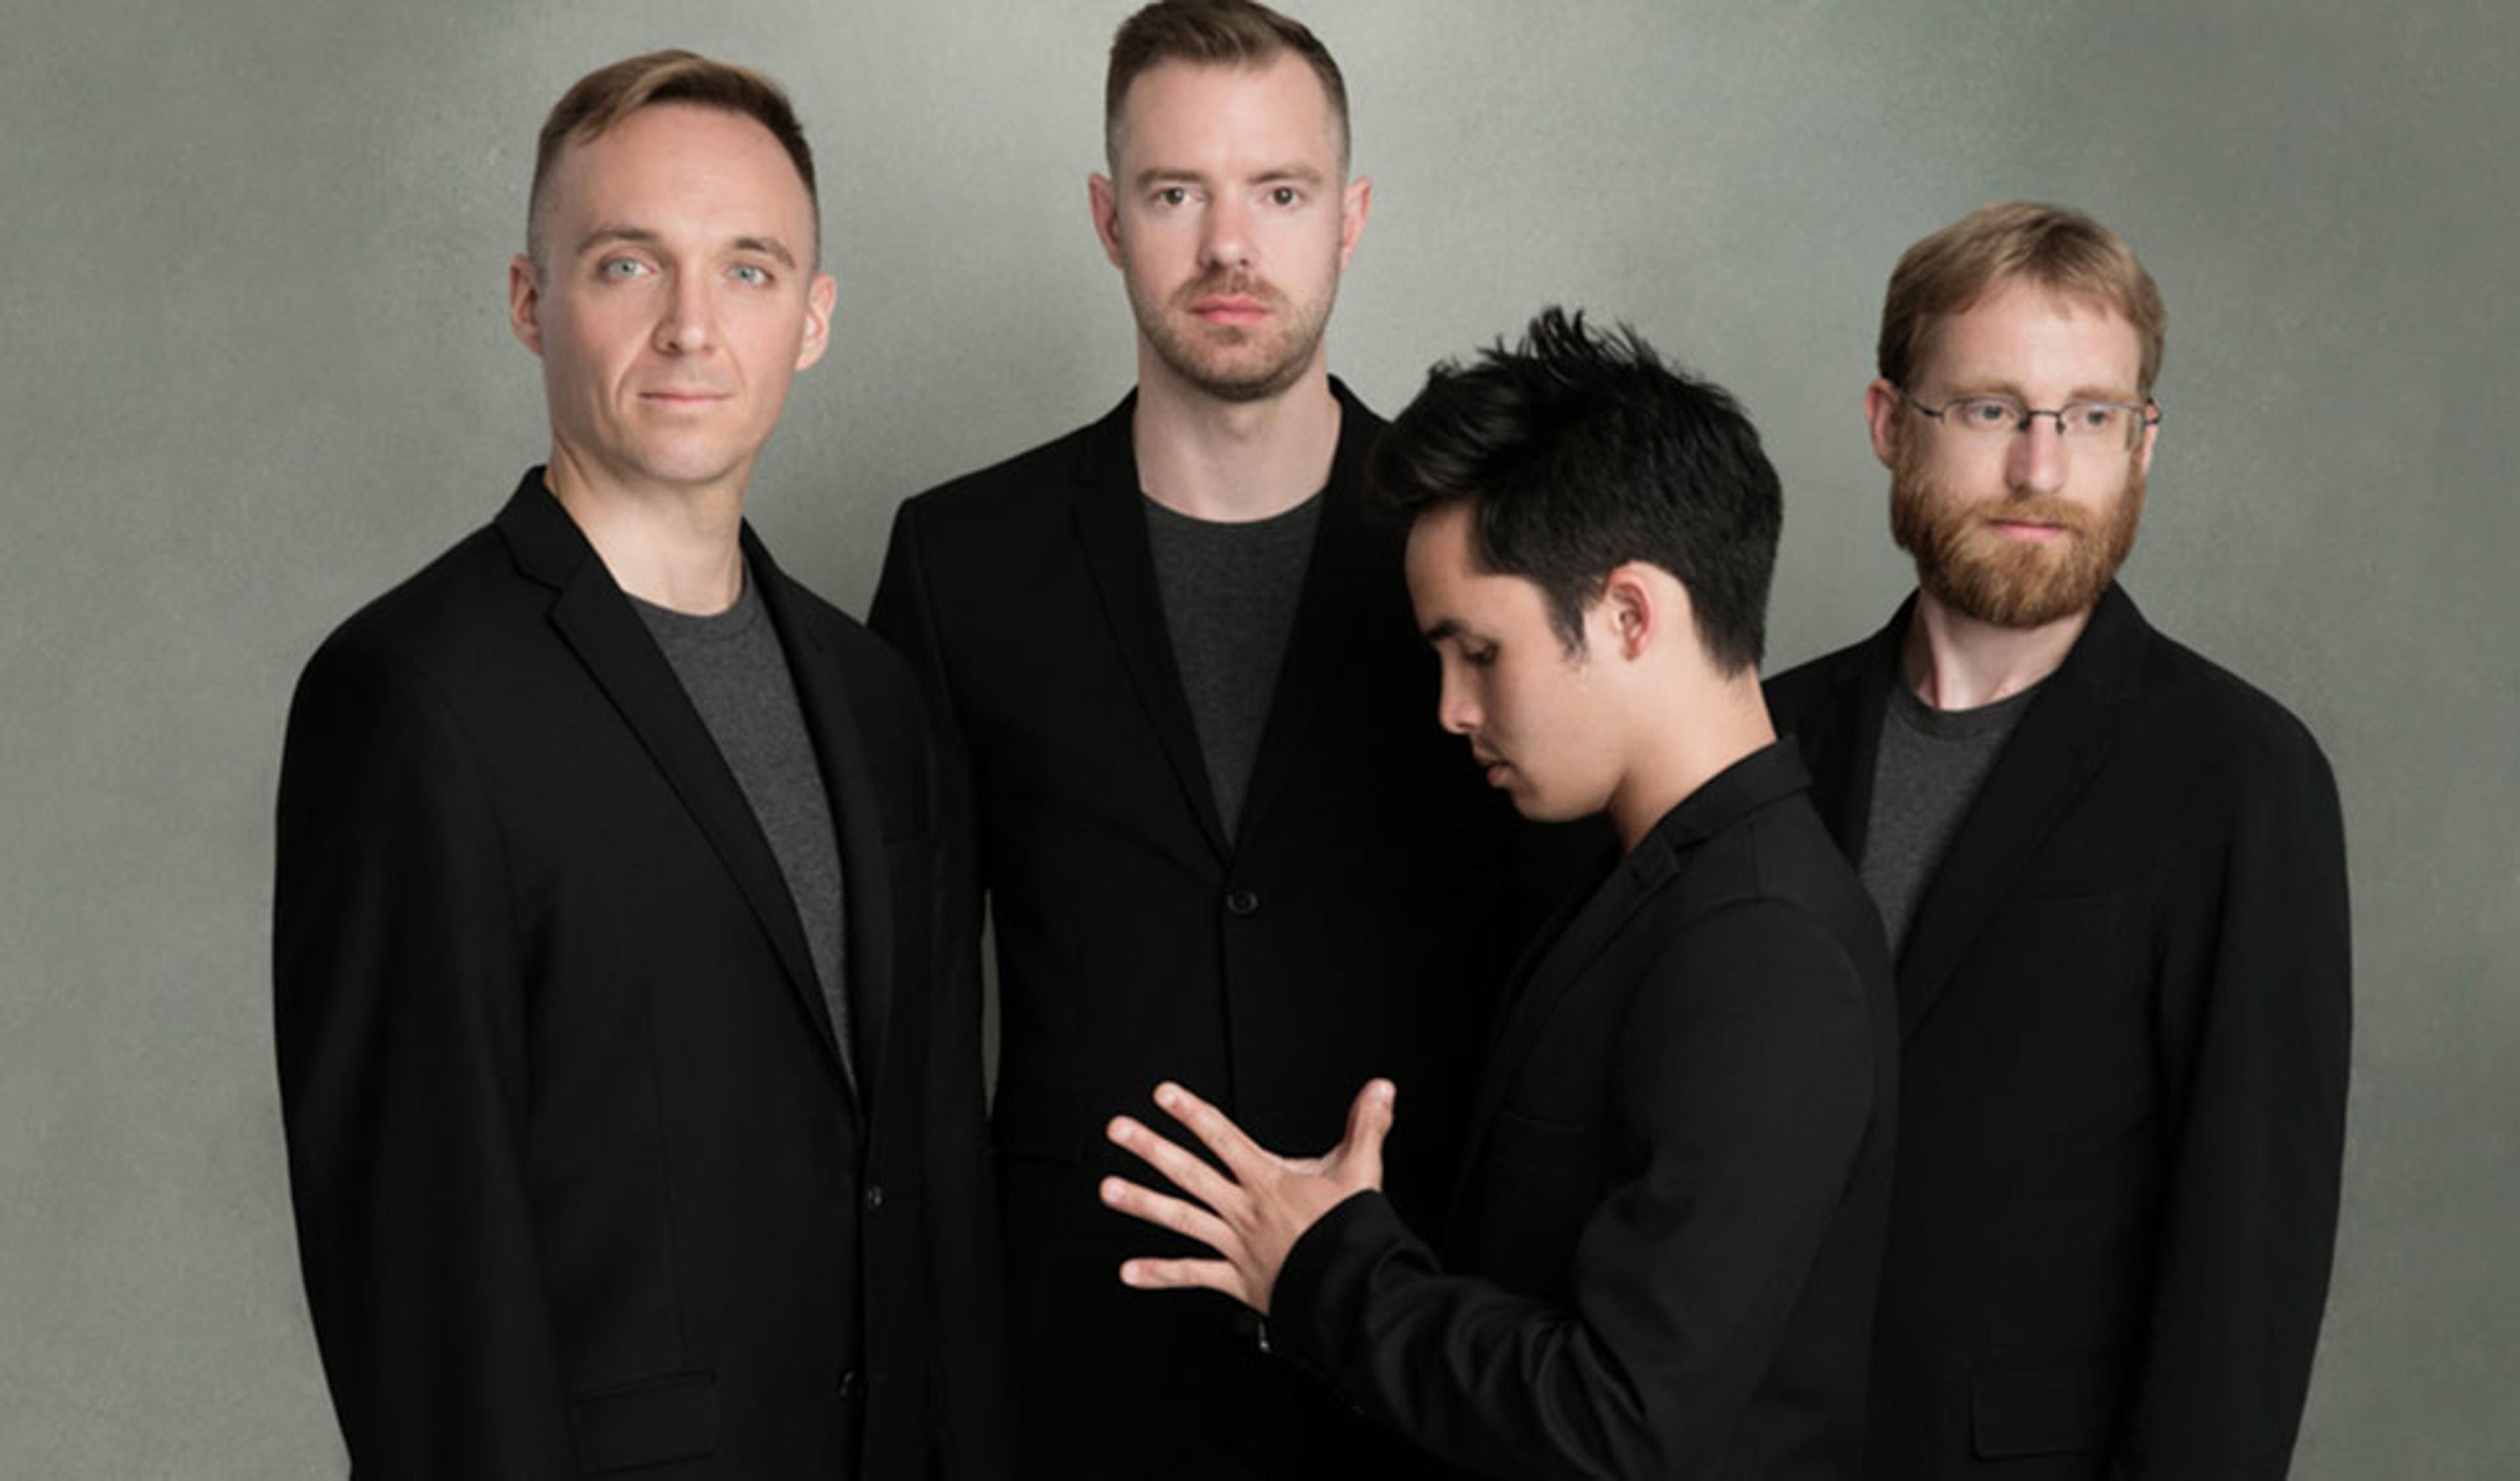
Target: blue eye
[[752, 273], [1992, 413], [620, 269]]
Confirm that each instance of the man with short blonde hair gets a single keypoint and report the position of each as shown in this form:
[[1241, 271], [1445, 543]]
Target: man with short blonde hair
[[628, 1053]]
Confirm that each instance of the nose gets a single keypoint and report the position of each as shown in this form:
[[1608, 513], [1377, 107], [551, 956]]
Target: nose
[[689, 324], [1225, 236], [2036, 458], [1456, 709]]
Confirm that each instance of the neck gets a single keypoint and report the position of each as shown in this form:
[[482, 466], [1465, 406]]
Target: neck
[[1955, 662], [1685, 743], [1233, 461], [673, 547]]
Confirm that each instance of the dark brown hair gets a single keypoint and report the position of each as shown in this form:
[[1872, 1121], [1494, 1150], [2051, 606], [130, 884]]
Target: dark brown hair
[[1213, 33]]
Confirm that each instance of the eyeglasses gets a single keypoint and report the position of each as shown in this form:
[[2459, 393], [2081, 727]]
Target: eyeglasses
[[2089, 424]]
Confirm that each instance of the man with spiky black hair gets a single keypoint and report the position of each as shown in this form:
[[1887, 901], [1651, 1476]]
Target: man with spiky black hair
[[1664, 1246]]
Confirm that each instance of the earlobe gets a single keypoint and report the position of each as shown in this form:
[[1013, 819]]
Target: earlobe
[[524, 302], [1104, 199]]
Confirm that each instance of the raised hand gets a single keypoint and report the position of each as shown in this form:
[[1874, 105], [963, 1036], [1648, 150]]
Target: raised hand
[[1253, 1212]]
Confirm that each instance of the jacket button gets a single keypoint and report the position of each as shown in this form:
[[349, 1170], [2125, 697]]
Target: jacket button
[[850, 1387], [875, 1197], [1243, 902]]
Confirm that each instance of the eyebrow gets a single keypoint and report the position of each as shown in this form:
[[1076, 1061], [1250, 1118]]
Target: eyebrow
[[640, 235], [1300, 174], [2085, 393], [1449, 627]]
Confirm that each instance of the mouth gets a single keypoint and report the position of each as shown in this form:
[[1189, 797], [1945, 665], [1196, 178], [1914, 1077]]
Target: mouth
[[2028, 531], [1229, 308], [1496, 767], [675, 399]]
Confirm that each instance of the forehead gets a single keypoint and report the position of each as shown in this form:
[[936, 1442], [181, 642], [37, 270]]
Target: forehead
[[1447, 584], [1184, 113], [711, 169], [2025, 335]]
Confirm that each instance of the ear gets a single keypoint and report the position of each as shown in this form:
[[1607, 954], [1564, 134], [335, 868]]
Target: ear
[[524, 302], [1105, 200], [818, 296], [1882, 407], [1356, 203], [1638, 610]]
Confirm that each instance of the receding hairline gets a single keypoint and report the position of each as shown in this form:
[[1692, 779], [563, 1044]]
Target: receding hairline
[[607, 96], [1334, 117], [578, 140]]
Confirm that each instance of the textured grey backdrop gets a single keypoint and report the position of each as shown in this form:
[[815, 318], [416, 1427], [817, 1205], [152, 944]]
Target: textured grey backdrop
[[254, 368]]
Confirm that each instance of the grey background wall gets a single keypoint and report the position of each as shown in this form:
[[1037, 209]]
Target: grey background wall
[[254, 368]]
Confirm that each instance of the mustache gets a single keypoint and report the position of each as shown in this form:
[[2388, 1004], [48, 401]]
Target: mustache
[[1234, 283], [2038, 508]]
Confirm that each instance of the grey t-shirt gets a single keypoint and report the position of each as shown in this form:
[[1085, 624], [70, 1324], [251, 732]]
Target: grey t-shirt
[[731, 665], [1929, 770], [1230, 592]]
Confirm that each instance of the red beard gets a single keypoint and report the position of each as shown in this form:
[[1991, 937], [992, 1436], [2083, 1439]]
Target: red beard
[[1976, 572]]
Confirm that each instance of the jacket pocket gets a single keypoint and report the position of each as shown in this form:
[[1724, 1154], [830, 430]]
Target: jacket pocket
[[648, 1422], [2043, 1407]]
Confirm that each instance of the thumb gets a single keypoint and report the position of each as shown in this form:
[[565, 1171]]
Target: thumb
[[1369, 1121]]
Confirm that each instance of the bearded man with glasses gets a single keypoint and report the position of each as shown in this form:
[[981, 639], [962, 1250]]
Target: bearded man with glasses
[[2113, 876]]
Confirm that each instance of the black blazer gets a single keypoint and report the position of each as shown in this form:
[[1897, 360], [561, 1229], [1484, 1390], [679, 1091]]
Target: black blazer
[[580, 1186], [1349, 930], [2124, 999], [1663, 1258]]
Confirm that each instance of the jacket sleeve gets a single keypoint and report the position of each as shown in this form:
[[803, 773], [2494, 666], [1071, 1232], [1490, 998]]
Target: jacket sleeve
[[2258, 1057], [967, 1269], [400, 1026], [1743, 1089]]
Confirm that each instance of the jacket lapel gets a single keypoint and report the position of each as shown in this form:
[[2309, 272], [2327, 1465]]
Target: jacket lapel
[[596, 622], [2053, 752], [1350, 568], [1542, 982], [1849, 733], [857, 819], [1112, 526]]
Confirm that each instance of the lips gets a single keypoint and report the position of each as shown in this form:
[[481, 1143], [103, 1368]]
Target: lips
[[1230, 309], [680, 396]]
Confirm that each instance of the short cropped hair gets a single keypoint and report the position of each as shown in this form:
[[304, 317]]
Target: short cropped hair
[[608, 95], [1213, 33], [2065, 251], [1578, 451]]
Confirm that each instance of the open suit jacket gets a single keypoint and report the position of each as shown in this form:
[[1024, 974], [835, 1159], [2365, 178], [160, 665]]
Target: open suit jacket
[[2124, 1002], [580, 1183], [1348, 930], [1663, 1259]]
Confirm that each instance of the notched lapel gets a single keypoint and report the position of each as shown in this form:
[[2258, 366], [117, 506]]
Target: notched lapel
[[2045, 765], [1533, 994], [596, 620], [857, 820], [1342, 579], [1112, 527]]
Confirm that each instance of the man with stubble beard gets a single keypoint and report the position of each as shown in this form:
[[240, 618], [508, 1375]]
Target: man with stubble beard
[[1221, 840], [2113, 876]]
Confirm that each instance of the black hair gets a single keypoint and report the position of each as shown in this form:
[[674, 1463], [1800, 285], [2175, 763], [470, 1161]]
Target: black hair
[[1578, 451]]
